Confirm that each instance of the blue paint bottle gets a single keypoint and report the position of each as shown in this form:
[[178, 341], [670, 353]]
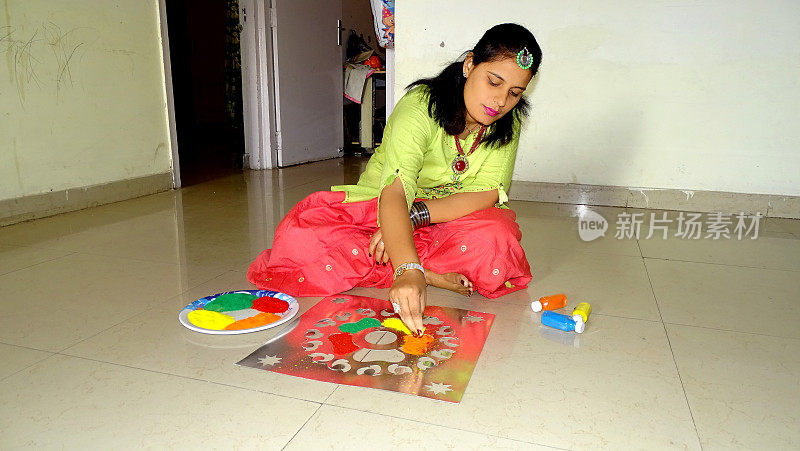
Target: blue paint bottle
[[563, 322]]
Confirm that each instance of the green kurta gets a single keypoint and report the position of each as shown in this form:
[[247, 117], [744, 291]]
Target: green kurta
[[420, 152]]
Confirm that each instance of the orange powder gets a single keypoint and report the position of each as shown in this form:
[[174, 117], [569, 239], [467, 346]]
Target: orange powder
[[259, 320], [416, 345]]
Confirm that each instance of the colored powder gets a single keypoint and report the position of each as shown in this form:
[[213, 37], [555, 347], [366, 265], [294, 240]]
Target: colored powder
[[209, 320], [262, 319], [416, 345], [231, 301], [270, 305], [364, 323], [342, 343], [398, 325]]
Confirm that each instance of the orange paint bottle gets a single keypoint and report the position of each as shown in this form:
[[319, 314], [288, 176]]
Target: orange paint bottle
[[553, 302]]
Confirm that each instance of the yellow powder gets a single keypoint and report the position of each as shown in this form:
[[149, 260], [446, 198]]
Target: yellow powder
[[208, 319], [398, 325]]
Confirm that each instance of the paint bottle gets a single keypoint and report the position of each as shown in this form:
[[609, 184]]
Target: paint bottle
[[562, 322], [582, 312], [549, 302]]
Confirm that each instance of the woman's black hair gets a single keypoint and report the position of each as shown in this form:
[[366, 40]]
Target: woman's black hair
[[446, 101]]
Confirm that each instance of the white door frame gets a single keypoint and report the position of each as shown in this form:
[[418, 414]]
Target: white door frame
[[168, 93], [257, 94], [390, 101]]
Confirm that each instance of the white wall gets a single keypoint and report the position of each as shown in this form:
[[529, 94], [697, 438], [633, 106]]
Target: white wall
[[82, 97], [667, 94]]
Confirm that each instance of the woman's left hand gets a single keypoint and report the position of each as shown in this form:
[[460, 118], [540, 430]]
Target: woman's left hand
[[377, 248]]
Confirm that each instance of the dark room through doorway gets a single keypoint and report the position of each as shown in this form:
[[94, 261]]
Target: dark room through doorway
[[207, 87]]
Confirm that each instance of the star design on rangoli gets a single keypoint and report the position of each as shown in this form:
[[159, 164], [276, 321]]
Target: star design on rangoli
[[269, 360], [473, 318], [438, 389]]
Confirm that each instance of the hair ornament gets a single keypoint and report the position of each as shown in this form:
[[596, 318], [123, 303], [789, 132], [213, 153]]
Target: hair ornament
[[524, 58]]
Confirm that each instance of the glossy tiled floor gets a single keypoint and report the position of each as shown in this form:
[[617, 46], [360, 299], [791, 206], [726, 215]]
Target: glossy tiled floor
[[692, 344]]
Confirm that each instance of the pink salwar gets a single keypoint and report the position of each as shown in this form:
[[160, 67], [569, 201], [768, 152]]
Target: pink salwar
[[321, 248]]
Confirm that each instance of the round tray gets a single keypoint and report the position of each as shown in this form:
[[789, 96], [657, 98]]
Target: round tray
[[294, 307]]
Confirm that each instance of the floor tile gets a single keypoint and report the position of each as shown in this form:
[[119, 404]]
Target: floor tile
[[60, 302], [104, 286], [155, 340], [79, 235], [762, 301], [540, 385], [71, 403], [613, 284], [13, 258], [16, 358], [46, 230], [774, 250], [53, 231], [743, 389], [562, 233], [338, 428]]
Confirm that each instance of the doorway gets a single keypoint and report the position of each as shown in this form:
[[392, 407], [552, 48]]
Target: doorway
[[207, 87]]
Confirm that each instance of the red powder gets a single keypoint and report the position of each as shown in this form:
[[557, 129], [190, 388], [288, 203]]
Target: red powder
[[270, 305], [416, 345], [262, 319], [342, 343]]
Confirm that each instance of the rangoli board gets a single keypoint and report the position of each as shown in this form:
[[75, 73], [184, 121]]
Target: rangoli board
[[356, 340]]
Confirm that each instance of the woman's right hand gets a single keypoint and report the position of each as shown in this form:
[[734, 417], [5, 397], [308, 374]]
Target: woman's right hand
[[378, 249], [409, 291]]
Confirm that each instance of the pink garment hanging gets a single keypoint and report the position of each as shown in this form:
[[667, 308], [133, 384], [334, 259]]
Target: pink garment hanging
[[321, 247]]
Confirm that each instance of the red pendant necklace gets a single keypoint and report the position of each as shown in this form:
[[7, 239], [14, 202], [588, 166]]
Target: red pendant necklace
[[460, 163]]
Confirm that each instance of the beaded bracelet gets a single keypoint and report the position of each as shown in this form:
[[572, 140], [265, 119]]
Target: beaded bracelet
[[420, 215]]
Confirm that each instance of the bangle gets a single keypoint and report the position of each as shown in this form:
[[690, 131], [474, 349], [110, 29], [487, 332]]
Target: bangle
[[406, 266], [420, 215]]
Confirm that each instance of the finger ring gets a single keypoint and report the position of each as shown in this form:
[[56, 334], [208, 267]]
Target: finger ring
[[382, 243], [396, 307]]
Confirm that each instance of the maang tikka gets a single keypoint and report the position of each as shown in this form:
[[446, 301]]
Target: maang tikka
[[524, 58]]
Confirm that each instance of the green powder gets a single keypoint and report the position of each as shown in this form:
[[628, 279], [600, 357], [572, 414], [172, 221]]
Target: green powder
[[364, 323], [231, 301]]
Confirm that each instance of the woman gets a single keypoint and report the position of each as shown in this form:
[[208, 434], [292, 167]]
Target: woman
[[430, 201]]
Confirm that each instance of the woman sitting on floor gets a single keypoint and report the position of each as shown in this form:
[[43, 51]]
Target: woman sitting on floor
[[429, 207]]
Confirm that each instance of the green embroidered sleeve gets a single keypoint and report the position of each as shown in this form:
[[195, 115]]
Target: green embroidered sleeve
[[495, 173], [407, 134]]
